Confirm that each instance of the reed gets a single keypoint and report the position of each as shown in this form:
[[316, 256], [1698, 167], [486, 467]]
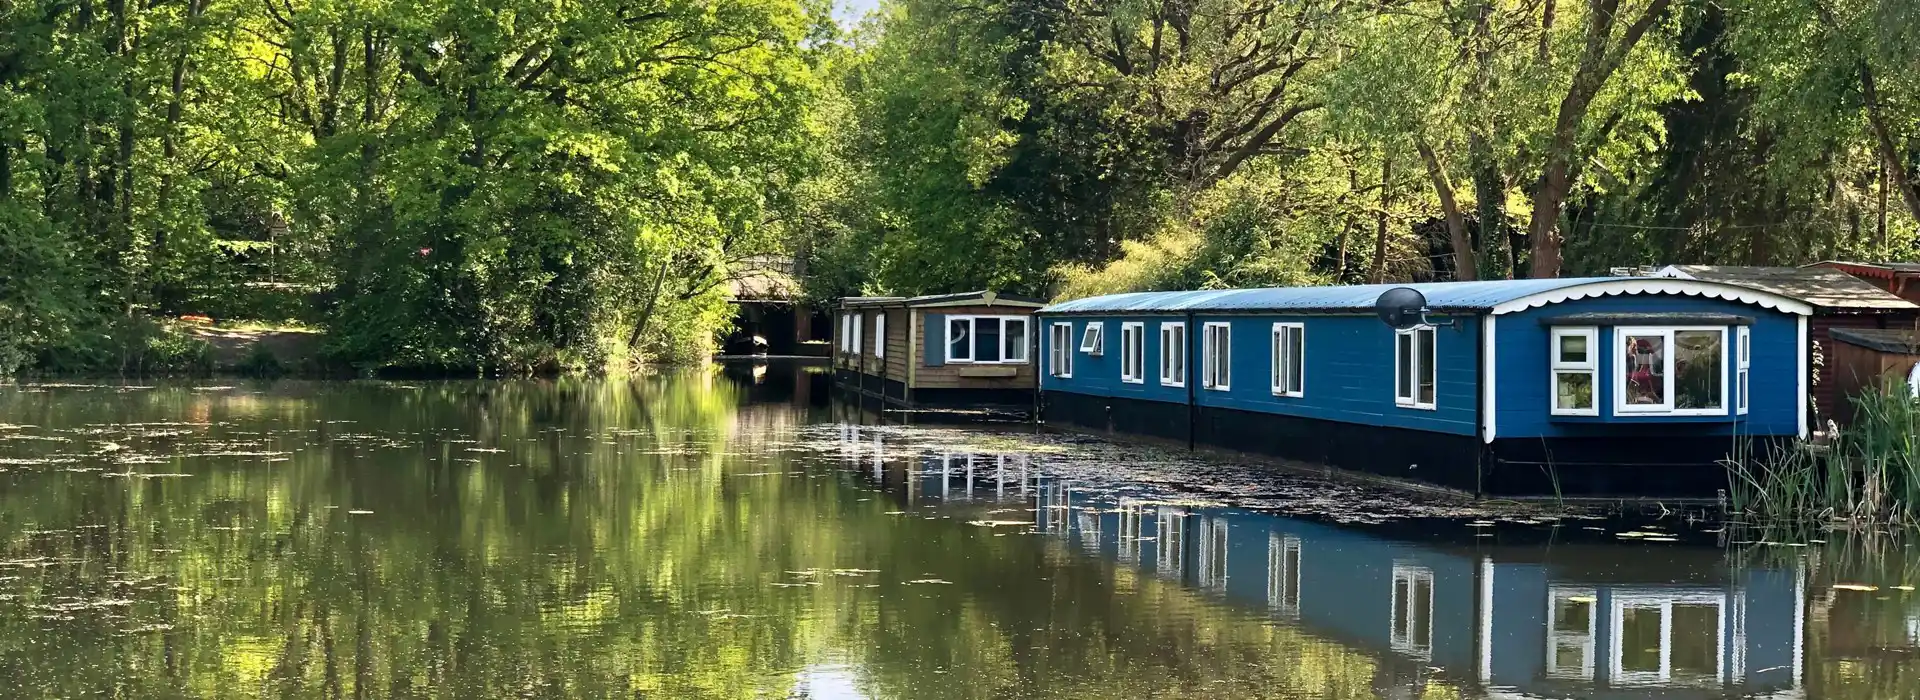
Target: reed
[[1867, 474]]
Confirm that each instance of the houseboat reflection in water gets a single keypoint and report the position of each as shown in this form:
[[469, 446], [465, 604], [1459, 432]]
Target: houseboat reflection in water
[[1584, 620]]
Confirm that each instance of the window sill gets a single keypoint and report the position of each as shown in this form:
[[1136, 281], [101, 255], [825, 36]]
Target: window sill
[[1418, 406], [1645, 418]]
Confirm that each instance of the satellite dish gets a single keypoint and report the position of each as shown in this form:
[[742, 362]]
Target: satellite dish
[[1401, 308]]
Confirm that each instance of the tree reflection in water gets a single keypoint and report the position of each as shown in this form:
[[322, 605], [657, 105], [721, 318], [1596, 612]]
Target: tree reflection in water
[[687, 535]]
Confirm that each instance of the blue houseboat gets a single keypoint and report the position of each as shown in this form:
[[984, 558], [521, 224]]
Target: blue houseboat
[[1579, 387]]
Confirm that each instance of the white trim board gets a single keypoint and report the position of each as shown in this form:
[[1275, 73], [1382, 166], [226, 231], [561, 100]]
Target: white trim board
[[1655, 285], [1488, 424]]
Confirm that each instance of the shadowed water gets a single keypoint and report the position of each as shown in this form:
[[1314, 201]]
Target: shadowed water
[[732, 533]]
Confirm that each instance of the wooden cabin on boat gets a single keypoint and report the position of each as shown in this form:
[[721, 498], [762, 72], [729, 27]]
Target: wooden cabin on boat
[[1839, 301], [1580, 387], [959, 351]]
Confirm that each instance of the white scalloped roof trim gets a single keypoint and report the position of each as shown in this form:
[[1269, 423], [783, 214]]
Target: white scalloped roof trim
[[1650, 285]]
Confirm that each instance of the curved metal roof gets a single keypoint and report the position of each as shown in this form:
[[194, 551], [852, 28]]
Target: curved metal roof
[[1497, 296]]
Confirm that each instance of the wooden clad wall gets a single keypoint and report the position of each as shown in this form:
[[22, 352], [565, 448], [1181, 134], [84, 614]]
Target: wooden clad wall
[[897, 355], [970, 376], [1857, 369], [1832, 390]]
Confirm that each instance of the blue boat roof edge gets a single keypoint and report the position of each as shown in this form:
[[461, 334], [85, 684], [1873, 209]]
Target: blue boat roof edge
[[1491, 296]]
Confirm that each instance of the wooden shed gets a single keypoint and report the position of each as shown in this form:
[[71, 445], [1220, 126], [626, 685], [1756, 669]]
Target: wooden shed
[[1864, 357], [1839, 300], [969, 350]]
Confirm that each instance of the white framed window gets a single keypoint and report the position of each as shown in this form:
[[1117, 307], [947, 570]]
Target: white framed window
[[1060, 350], [1741, 384], [1289, 359], [1411, 613], [846, 333], [1173, 353], [1413, 367], [880, 334], [1575, 376], [1093, 340], [987, 339], [1133, 352], [1216, 355], [857, 344], [1677, 370]]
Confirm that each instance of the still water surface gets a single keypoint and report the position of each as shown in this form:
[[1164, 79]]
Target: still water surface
[[731, 533]]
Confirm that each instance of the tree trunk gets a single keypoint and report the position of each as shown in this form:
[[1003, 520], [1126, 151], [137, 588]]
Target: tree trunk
[[169, 146], [653, 300], [1489, 194], [1376, 273], [1464, 268], [1598, 62], [1883, 138]]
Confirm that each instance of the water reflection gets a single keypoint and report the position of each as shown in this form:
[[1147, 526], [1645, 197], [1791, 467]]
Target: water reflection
[[728, 534], [1503, 620]]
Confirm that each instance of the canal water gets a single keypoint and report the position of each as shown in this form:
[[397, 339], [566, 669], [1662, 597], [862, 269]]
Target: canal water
[[734, 533]]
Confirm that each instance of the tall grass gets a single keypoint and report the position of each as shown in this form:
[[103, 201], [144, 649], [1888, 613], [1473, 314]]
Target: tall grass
[[1868, 472]]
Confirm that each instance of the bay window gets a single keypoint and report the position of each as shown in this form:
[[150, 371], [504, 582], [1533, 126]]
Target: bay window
[[987, 339], [1671, 370], [1576, 371], [1173, 354], [1745, 367]]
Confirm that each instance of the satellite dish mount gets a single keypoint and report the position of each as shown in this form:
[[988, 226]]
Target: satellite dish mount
[[1405, 307]]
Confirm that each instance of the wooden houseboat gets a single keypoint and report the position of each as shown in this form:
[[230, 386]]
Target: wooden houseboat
[[1839, 301], [950, 351], [1633, 387]]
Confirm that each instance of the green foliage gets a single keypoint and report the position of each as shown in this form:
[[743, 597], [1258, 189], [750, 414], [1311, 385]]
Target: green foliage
[[128, 346], [1869, 472], [448, 185]]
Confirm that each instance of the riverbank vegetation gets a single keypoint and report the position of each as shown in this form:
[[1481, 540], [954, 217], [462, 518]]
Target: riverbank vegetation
[[511, 187], [1867, 475]]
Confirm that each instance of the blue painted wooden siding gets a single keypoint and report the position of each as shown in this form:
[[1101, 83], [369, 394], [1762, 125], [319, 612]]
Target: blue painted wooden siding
[[1522, 402], [1349, 370]]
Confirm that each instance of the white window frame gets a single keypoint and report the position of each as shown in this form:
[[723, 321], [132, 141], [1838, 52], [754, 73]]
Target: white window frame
[[1584, 641], [1419, 360], [1093, 340], [1283, 574], [1284, 361], [1173, 355], [1133, 352], [880, 335], [1556, 367], [973, 327], [1619, 379], [1744, 370], [1216, 355], [1060, 350], [1402, 632], [858, 318], [1663, 603], [846, 332]]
